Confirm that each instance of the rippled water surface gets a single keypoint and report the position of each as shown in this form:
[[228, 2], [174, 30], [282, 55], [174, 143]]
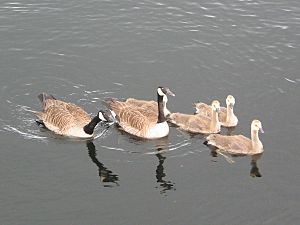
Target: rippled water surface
[[84, 51]]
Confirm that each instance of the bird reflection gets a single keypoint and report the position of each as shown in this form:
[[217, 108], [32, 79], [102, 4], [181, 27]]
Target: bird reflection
[[165, 185], [254, 170], [106, 176]]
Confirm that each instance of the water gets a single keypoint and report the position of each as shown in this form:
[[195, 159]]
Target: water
[[84, 51]]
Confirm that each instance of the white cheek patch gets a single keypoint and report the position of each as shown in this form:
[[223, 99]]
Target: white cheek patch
[[101, 117], [160, 92]]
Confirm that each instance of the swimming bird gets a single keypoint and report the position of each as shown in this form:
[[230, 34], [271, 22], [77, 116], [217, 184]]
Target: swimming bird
[[198, 123], [68, 119], [227, 117], [143, 121], [238, 144]]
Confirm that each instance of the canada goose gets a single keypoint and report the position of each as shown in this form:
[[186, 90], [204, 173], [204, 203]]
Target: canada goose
[[198, 123], [139, 120], [227, 117], [239, 144], [68, 119]]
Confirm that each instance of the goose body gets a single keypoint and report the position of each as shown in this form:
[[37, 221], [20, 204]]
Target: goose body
[[141, 120], [227, 117], [198, 123], [239, 144], [148, 104], [68, 119]]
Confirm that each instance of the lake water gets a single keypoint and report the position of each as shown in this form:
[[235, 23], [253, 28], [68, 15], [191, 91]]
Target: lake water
[[84, 51]]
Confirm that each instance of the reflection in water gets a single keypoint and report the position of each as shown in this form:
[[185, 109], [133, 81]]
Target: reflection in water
[[165, 185], [254, 171], [106, 175], [160, 174]]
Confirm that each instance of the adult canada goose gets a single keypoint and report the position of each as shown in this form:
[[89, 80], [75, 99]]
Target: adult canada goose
[[227, 117], [239, 144], [139, 120], [198, 123], [68, 119]]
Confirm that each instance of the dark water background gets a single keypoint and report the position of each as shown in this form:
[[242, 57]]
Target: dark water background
[[84, 51]]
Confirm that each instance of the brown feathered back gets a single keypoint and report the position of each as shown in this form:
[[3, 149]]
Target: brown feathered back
[[60, 116], [134, 120], [205, 109]]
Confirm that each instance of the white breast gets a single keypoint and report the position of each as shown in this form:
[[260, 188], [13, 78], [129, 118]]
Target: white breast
[[78, 132], [159, 130]]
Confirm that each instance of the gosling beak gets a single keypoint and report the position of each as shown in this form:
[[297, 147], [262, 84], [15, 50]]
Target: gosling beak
[[218, 110], [231, 105], [261, 130]]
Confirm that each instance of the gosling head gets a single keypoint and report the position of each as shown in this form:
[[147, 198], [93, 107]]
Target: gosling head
[[215, 105], [230, 101], [257, 126]]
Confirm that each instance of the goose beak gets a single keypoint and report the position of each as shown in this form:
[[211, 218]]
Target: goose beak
[[169, 92], [231, 105], [261, 130], [218, 110]]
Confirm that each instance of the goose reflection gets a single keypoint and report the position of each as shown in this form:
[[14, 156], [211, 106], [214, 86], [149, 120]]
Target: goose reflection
[[106, 176], [254, 170], [164, 185]]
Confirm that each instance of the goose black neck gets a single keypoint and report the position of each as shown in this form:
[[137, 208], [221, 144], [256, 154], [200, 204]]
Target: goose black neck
[[89, 128], [160, 103]]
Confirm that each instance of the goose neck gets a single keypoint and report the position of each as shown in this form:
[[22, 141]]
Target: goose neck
[[256, 143], [161, 108], [89, 128], [215, 120], [229, 114]]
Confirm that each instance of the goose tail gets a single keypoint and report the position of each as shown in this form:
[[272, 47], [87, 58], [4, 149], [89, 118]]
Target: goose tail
[[44, 96]]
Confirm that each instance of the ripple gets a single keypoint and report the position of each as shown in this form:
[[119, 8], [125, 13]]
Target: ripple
[[19, 101], [26, 135]]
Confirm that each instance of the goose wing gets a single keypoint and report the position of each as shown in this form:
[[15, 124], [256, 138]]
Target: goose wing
[[134, 120], [57, 119], [192, 123], [205, 110], [78, 113], [236, 144], [150, 106], [141, 103]]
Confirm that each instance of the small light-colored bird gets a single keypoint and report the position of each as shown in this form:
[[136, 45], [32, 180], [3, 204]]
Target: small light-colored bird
[[143, 120], [68, 119], [227, 117], [198, 123], [239, 144]]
